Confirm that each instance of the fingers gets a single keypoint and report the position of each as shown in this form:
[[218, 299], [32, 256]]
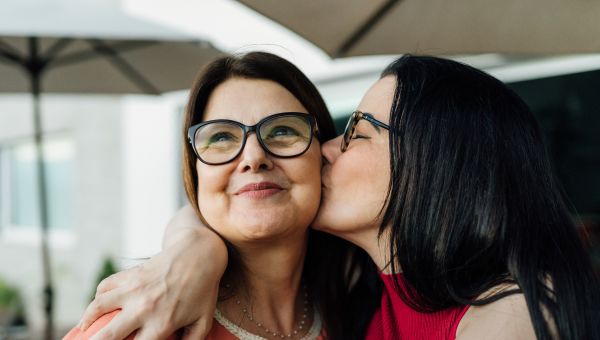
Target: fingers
[[120, 327], [111, 282], [101, 305], [167, 330], [153, 333], [196, 331]]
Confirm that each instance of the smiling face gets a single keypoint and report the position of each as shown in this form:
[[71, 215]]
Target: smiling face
[[355, 182], [258, 196]]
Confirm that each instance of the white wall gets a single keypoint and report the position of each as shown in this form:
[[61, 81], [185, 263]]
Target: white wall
[[94, 125], [151, 147]]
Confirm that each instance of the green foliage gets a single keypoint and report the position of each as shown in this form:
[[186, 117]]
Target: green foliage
[[108, 268], [12, 310], [9, 296]]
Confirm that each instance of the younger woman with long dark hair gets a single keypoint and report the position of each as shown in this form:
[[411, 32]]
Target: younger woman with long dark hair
[[473, 215]]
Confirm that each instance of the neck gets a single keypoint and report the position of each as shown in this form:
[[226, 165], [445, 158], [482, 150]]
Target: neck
[[271, 286], [376, 246], [274, 268]]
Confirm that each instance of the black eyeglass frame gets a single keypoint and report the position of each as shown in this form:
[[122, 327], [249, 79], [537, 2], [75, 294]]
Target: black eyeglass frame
[[351, 126], [314, 131]]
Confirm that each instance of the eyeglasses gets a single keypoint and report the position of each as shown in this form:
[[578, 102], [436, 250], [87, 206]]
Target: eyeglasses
[[351, 126], [283, 135]]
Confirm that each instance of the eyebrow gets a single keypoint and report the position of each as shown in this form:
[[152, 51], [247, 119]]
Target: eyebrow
[[375, 123], [377, 128]]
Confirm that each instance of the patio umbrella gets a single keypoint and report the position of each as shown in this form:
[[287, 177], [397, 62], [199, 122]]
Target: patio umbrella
[[85, 49], [355, 27]]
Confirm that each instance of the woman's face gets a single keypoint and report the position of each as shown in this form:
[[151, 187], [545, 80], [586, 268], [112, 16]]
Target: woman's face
[[258, 196], [355, 182]]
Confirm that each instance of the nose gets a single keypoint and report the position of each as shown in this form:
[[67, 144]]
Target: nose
[[331, 149], [254, 158]]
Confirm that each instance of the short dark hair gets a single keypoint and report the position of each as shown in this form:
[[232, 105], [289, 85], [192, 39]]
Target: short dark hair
[[328, 259], [473, 201]]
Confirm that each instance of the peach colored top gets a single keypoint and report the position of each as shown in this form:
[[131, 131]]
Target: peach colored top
[[77, 334], [217, 332]]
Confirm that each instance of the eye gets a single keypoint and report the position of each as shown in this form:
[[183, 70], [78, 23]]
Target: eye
[[283, 131], [357, 136], [221, 137]]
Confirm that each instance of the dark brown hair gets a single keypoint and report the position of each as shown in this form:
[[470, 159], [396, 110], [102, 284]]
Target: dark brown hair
[[329, 260]]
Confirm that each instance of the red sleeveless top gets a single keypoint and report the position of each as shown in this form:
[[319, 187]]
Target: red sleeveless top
[[396, 320]]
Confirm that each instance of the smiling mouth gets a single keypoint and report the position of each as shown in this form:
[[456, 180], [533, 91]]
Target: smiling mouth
[[259, 190]]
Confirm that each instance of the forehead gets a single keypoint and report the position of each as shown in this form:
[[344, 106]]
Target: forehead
[[378, 99], [249, 100]]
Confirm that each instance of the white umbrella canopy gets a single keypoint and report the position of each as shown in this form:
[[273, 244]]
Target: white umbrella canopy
[[355, 28], [70, 48], [87, 49], [90, 65]]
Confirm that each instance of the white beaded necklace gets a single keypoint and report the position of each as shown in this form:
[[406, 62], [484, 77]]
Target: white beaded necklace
[[277, 335], [298, 329], [313, 332]]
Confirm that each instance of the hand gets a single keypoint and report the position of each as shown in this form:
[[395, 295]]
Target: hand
[[174, 289]]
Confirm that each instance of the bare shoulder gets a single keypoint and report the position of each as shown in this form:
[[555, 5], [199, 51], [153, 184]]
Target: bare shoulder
[[507, 318]]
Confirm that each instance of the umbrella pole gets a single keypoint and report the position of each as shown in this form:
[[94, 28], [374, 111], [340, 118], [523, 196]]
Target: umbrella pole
[[35, 67]]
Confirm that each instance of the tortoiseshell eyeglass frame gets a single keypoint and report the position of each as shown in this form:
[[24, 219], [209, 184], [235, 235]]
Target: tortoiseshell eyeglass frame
[[351, 126]]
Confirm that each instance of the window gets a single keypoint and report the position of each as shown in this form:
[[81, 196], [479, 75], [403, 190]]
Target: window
[[19, 196]]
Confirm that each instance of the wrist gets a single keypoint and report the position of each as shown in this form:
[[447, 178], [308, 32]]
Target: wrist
[[201, 241]]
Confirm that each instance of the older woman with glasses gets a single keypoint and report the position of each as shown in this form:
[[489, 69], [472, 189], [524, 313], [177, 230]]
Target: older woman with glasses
[[443, 179], [252, 167]]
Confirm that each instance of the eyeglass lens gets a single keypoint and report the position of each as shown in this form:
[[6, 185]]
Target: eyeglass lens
[[284, 136]]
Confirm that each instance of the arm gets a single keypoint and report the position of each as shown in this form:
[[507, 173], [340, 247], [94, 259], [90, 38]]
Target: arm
[[507, 318], [173, 289], [185, 223]]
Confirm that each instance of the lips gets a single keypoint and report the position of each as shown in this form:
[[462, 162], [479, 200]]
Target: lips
[[259, 190]]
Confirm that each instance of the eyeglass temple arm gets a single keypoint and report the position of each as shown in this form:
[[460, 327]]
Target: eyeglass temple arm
[[375, 121]]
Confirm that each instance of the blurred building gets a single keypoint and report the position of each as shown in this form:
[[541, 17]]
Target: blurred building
[[111, 187]]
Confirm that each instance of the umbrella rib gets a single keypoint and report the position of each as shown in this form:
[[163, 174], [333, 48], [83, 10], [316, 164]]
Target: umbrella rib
[[125, 67], [8, 52], [10, 58], [365, 28], [86, 55], [58, 46]]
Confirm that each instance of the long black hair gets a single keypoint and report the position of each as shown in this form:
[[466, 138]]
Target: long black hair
[[473, 201], [330, 261]]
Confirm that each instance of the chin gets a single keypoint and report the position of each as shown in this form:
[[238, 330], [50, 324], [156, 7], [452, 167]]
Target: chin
[[250, 233], [259, 234], [326, 221], [340, 219], [263, 228]]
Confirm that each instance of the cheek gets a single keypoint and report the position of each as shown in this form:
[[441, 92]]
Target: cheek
[[380, 170], [212, 186], [357, 190], [305, 173], [356, 178]]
